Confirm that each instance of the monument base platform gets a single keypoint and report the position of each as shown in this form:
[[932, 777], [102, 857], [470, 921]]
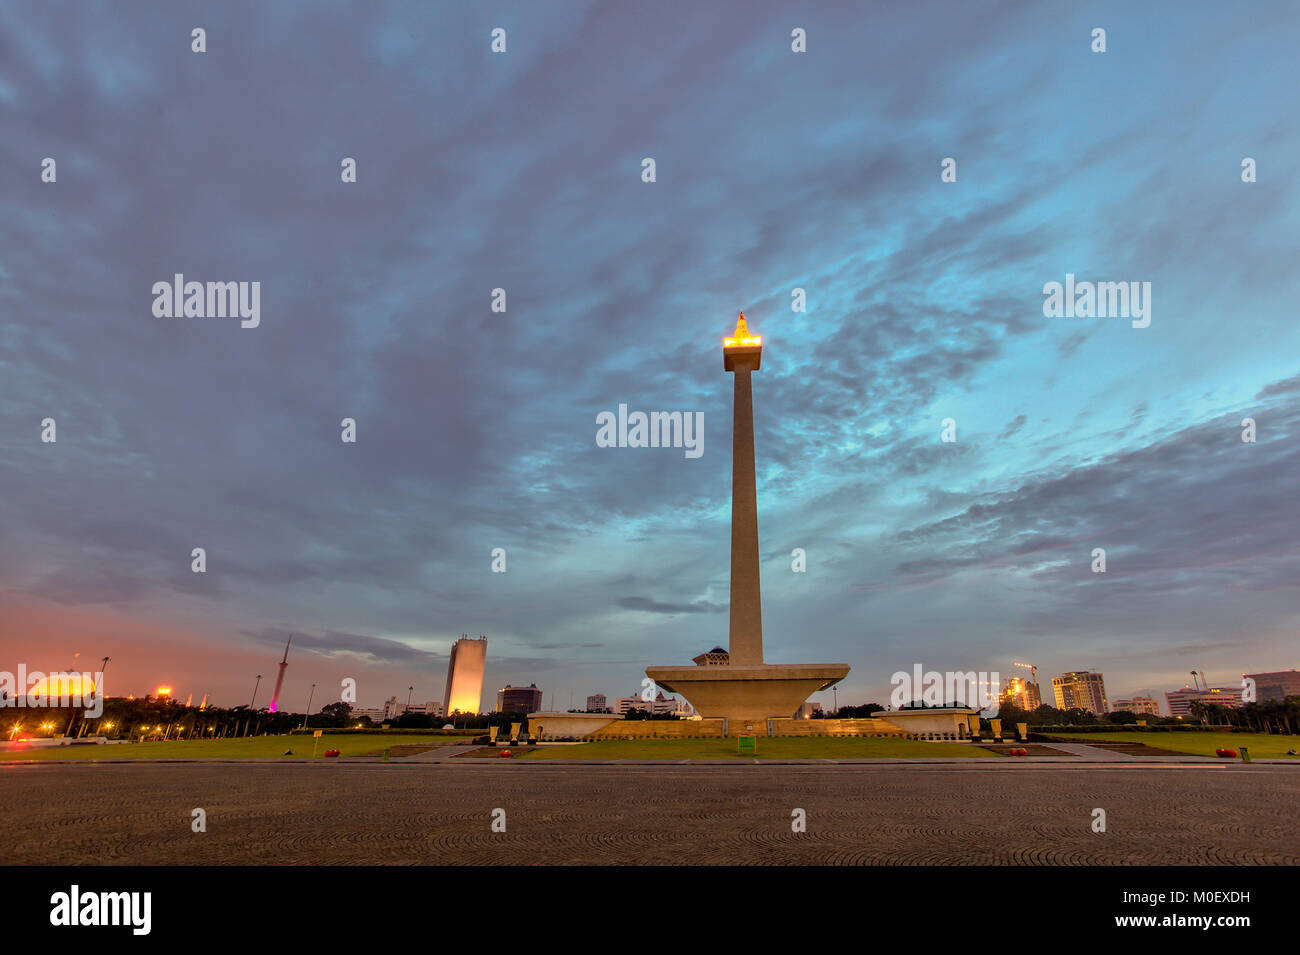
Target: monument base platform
[[748, 694]]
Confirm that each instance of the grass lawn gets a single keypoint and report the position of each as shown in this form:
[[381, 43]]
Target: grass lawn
[[247, 747], [779, 747], [1260, 745]]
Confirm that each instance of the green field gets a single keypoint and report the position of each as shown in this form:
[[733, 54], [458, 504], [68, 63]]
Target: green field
[[1261, 745], [248, 747], [780, 747]]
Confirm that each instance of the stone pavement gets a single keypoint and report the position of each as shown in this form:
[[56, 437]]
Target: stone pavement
[[439, 754], [1109, 755], [411, 813]]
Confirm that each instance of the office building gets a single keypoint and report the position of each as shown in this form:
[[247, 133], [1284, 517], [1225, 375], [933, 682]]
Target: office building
[[1276, 685], [1082, 689], [659, 706], [519, 699], [1180, 701], [1141, 705], [428, 708]]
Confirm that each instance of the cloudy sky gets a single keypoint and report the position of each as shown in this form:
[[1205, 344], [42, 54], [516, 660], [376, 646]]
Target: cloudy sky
[[476, 430]]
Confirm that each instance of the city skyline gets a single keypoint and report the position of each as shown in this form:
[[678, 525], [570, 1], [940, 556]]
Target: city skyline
[[476, 430]]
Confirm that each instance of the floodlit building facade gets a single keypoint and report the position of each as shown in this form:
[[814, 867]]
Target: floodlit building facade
[[1023, 694], [464, 690]]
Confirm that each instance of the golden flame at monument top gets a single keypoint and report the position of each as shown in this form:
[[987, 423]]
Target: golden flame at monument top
[[741, 337]]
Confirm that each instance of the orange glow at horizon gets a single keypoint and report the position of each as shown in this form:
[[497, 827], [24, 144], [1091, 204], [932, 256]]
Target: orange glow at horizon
[[63, 685], [741, 337], [163, 691]]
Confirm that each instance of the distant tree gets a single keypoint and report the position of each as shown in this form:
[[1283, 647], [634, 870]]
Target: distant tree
[[1051, 716], [861, 712], [1012, 713], [415, 720], [334, 715]]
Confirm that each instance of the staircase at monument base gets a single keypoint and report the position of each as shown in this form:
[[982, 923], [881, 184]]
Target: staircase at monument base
[[854, 727], [697, 729]]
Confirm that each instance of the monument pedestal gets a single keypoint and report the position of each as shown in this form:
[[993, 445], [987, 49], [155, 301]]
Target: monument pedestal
[[748, 694]]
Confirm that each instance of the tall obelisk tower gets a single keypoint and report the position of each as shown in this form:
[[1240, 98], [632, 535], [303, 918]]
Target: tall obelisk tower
[[279, 680], [738, 687], [741, 355]]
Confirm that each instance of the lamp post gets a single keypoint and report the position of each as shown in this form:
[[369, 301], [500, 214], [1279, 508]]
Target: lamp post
[[409, 691], [252, 712], [309, 699]]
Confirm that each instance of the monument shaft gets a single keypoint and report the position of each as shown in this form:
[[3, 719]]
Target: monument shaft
[[746, 633]]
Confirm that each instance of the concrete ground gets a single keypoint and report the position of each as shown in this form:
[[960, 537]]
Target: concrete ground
[[1002, 811]]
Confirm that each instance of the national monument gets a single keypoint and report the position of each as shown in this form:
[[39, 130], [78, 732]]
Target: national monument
[[737, 685], [733, 690]]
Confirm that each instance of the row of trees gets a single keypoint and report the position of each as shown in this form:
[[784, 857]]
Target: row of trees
[[849, 712], [1009, 713], [160, 718], [153, 718], [1283, 718], [163, 718], [1045, 715], [1269, 716], [458, 720], [147, 718]]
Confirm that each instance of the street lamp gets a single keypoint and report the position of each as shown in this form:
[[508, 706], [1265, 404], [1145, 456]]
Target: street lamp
[[308, 713], [253, 712]]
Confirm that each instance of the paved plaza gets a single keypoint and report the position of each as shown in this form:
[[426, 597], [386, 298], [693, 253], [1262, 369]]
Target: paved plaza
[[440, 814]]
